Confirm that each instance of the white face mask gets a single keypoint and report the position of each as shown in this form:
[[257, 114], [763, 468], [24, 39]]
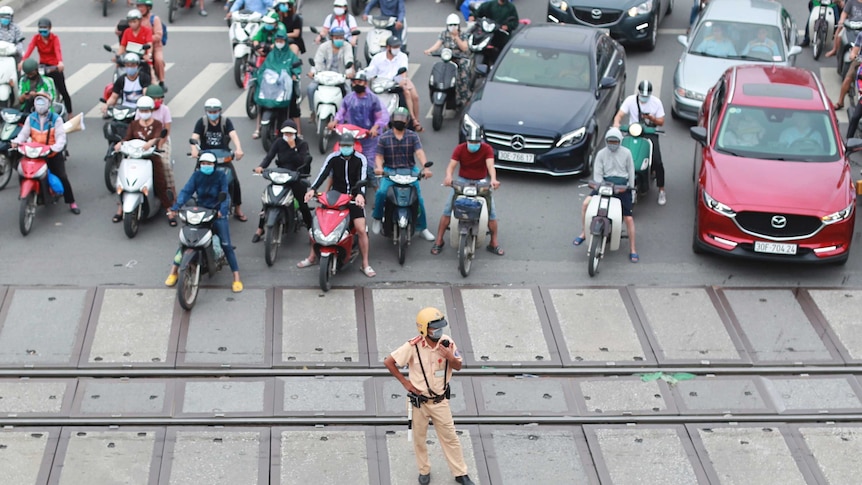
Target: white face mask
[[279, 45], [338, 11], [453, 28], [145, 115], [289, 137]]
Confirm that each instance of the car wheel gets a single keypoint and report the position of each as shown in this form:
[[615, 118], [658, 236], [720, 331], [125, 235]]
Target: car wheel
[[649, 45], [591, 155], [695, 247]]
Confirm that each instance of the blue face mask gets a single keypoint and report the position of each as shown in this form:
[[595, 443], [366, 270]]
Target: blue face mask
[[131, 71], [338, 42], [212, 116], [346, 151], [44, 32], [5, 22], [473, 147], [268, 26], [435, 333], [207, 169], [282, 8]]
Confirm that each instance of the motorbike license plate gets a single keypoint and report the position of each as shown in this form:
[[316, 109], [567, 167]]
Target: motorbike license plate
[[774, 248], [516, 157]]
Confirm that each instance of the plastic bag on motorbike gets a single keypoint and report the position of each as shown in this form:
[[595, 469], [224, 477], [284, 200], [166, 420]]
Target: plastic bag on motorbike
[[274, 89], [55, 184], [467, 209]]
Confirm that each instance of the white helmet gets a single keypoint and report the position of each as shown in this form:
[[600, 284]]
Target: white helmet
[[212, 104], [6, 11], [134, 14], [453, 19], [614, 134], [340, 3], [146, 102]]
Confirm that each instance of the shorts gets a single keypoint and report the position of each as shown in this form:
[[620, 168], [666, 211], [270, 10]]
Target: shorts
[[492, 207], [356, 212], [625, 200], [293, 110]]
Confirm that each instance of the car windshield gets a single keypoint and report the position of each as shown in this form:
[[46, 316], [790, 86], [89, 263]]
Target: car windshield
[[777, 134], [732, 40], [544, 67]]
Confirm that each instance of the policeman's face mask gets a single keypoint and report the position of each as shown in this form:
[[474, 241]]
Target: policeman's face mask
[[435, 329]]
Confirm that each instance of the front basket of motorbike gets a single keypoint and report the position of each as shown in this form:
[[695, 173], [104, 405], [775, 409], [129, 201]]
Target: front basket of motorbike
[[467, 209]]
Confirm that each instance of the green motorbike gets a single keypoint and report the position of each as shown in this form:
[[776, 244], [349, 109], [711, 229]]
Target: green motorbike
[[641, 148]]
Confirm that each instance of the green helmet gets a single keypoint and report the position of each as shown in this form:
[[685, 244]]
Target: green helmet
[[148, 3], [401, 114], [281, 33], [29, 65], [155, 91]]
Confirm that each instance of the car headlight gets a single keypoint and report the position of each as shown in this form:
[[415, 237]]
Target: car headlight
[[572, 137], [470, 123], [641, 9], [560, 4], [717, 206], [685, 93], [838, 216]]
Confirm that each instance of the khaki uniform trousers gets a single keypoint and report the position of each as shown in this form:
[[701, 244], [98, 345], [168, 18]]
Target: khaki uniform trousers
[[441, 415]]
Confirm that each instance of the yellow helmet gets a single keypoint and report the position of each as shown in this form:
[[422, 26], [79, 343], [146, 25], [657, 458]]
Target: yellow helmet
[[429, 317]]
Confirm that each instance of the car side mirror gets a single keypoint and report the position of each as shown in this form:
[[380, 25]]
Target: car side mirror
[[699, 134], [794, 51], [482, 70], [607, 82], [853, 145], [682, 39]]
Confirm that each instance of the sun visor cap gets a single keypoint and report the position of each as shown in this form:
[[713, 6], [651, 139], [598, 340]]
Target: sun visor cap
[[442, 323]]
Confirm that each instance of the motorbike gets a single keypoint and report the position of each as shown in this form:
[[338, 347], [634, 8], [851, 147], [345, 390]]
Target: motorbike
[[200, 250], [333, 237], [11, 126], [375, 39], [401, 208], [442, 85], [114, 130], [486, 39], [604, 217], [119, 69], [8, 73], [280, 208], [642, 150], [851, 29], [821, 25], [135, 185], [327, 99], [244, 24], [388, 91], [35, 188], [469, 223], [223, 157], [273, 98]]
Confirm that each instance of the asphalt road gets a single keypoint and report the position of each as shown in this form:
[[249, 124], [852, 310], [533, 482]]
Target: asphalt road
[[537, 213]]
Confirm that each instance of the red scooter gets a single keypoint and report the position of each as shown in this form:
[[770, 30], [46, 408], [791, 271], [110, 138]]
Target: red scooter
[[332, 235], [35, 190]]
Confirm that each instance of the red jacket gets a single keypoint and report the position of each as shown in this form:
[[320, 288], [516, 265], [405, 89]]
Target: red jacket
[[49, 49]]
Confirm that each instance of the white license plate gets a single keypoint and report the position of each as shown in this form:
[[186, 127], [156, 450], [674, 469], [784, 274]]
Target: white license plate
[[774, 248], [516, 157]]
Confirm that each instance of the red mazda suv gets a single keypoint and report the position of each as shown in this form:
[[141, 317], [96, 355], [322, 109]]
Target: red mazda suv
[[772, 181]]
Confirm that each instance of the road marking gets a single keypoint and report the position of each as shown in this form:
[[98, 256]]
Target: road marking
[[654, 75], [42, 12], [832, 84], [671, 32], [83, 76], [96, 111], [186, 99], [237, 108]]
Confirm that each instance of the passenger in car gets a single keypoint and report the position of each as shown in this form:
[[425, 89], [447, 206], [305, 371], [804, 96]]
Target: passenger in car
[[762, 44], [717, 44], [743, 131], [800, 134]]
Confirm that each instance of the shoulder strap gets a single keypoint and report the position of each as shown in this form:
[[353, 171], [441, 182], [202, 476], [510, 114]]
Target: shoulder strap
[[425, 376]]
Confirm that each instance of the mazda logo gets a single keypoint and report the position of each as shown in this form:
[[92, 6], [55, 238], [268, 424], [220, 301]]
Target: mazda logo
[[596, 13], [518, 142], [779, 222]]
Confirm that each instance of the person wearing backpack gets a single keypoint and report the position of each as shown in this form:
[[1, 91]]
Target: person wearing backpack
[[215, 132], [50, 54], [160, 38]]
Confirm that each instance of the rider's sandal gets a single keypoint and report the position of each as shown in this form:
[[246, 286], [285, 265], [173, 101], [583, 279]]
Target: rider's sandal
[[256, 134], [578, 241], [495, 249], [369, 272], [172, 221], [305, 263], [634, 258], [436, 248], [838, 106], [117, 218], [418, 127]]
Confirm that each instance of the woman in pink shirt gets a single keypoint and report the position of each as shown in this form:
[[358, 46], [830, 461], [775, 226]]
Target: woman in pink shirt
[[48, 45]]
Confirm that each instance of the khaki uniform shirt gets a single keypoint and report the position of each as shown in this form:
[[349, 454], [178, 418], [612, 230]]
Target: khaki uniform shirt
[[432, 360]]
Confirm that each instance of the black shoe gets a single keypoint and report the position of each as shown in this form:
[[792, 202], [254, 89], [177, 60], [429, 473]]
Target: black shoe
[[256, 237], [805, 42], [75, 211], [162, 85], [464, 480], [424, 479]]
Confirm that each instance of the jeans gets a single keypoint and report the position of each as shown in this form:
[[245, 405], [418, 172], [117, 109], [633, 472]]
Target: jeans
[[695, 9], [854, 121], [380, 199], [220, 226]]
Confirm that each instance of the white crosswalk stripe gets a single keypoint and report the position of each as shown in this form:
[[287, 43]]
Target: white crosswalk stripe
[[832, 84], [80, 77], [195, 89]]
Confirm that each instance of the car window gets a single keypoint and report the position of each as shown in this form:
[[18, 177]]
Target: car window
[[545, 67], [736, 40], [717, 103], [777, 134], [604, 53], [787, 26]]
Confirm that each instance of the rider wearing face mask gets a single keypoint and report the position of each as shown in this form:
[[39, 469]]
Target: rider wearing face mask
[[282, 59], [32, 83], [264, 37], [386, 64], [46, 127], [290, 152], [206, 184], [362, 108], [9, 30], [127, 89], [400, 148], [341, 18], [162, 113], [452, 38], [332, 55], [614, 164], [475, 162], [50, 54], [286, 10], [643, 107]]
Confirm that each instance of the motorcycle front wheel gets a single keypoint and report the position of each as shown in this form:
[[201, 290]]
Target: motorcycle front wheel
[[27, 213], [131, 222], [5, 171], [250, 106], [466, 251], [327, 267], [189, 280], [594, 256], [323, 134], [401, 236], [267, 135], [112, 167], [172, 10], [104, 8], [273, 241], [239, 70], [437, 117]]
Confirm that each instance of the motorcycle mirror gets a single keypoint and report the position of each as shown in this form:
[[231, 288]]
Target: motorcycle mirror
[[297, 63], [103, 100], [192, 141], [146, 47], [107, 48], [347, 66], [428, 164], [311, 62], [355, 32], [313, 29], [163, 133], [402, 70]]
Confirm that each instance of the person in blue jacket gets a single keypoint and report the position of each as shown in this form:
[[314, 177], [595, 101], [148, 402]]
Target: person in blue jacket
[[388, 8]]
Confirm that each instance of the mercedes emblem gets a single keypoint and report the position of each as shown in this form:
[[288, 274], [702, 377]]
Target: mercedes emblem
[[779, 222], [518, 142]]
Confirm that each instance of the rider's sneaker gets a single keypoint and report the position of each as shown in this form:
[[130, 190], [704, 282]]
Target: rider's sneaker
[[805, 42], [426, 234], [171, 280], [376, 226], [662, 198]]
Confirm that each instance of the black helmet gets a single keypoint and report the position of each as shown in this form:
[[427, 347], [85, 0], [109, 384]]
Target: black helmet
[[393, 41], [44, 22], [346, 139], [644, 88]]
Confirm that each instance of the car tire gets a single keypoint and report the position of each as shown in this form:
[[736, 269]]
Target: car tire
[[650, 44], [594, 148], [695, 246], [674, 114]]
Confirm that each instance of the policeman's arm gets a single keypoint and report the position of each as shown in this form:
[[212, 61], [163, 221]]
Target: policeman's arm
[[389, 362]]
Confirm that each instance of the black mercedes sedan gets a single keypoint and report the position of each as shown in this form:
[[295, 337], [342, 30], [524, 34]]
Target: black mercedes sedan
[[545, 105]]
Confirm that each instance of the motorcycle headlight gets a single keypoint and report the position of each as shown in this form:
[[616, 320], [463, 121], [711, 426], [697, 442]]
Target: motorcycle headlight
[[641, 9], [11, 116], [838, 216], [326, 239], [194, 218], [488, 26], [560, 4], [446, 55], [572, 137], [470, 123], [685, 93], [279, 178], [717, 206]]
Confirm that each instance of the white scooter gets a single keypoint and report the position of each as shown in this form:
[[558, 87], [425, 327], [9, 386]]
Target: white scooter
[[135, 185], [469, 223], [327, 99], [604, 217], [387, 90], [8, 74], [375, 40], [821, 26], [243, 26]]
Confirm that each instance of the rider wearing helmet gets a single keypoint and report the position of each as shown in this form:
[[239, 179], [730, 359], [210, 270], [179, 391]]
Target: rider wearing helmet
[[452, 38], [146, 127], [9, 30], [475, 162], [400, 148], [205, 185], [282, 59], [162, 113], [50, 54], [264, 37], [363, 108], [137, 33], [286, 10], [642, 107], [32, 83], [332, 55], [430, 357], [340, 17], [614, 164], [386, 64], [127, 89], [157, 50]]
